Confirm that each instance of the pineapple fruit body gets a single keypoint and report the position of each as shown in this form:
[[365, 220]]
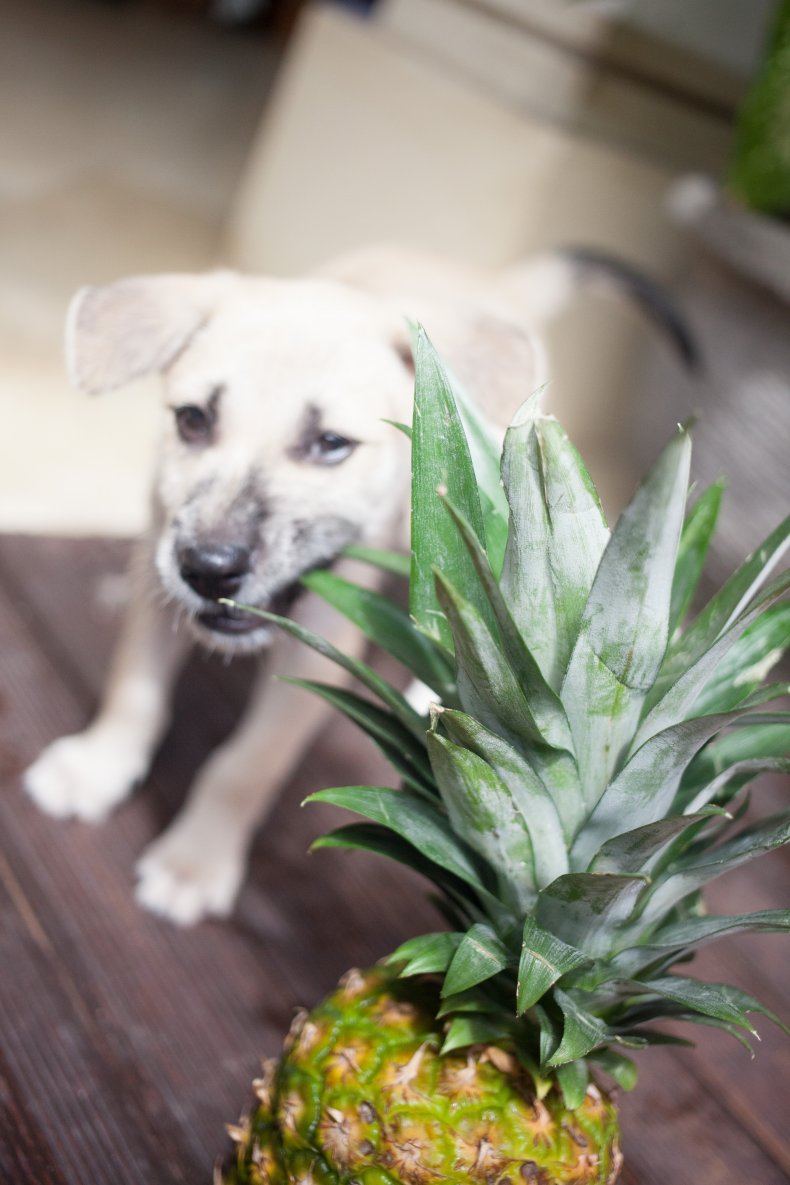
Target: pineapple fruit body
[[363, 1097]]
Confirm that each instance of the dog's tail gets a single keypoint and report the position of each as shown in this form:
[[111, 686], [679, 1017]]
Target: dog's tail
[[546, 284]]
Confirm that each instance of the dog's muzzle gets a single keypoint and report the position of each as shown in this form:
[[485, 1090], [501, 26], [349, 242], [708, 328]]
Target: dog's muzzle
[[218, 570], [214, 570]]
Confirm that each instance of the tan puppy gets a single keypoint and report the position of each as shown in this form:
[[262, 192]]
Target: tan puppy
[[275, 457]]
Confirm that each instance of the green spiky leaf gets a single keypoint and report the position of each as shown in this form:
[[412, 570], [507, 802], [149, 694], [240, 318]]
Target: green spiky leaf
[[484, 814], [413, 819], [689, 690], [695, 541], [544, 703], [480, 955], [527, 790], [474, 1029], [583, 908], [706, 998], [485, 450], [441, 462], [487, 685], [644, 791], [624, 629], [581, 1033], [544, 959], [557, 536]]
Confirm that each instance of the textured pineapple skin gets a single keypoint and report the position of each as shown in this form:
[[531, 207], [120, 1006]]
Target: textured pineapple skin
[[362, 1097]]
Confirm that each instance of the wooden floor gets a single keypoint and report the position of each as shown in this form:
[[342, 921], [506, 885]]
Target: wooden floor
[[126, 1044]]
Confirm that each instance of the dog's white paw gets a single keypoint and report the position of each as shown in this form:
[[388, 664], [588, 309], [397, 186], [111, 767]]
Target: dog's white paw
[[185, 876], [83, 776]]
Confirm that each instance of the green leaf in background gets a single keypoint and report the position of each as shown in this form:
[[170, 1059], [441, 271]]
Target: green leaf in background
[[410, 817], [694, 932], [624, 630], [472, 1000], [707, 998], [689, 691], [426, 953], [388, 626], [632, 852], [619, 1067], [378, 839], [393, 562], [441, 462], [723, 608], [574, 1078], [760, 168], [741, 999], [726, 785], [674, 939], [691, 873], [400, 748], [556, 537], [752, 741], [752, 658], [411, 720]]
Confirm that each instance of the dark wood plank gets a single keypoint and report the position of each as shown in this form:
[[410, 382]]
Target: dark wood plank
[[127, 1043], [24, 1151], [173, 1038]]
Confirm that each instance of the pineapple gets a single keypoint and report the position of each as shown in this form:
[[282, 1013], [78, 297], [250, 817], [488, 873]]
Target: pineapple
[[578, 781]]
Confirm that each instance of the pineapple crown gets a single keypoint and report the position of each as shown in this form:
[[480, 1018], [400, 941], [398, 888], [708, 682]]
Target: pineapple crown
[[579, 779]]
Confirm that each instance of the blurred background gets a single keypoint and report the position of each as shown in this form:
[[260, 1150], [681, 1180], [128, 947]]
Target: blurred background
[[267, 135], [154, 135]]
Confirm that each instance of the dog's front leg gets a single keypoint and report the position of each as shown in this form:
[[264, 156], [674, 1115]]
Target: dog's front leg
[[196, 867], [89, 773]]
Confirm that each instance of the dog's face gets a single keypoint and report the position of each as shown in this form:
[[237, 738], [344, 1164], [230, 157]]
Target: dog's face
[[276, 454]]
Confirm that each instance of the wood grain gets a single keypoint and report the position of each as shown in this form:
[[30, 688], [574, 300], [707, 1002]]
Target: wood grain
[[126, 1044]]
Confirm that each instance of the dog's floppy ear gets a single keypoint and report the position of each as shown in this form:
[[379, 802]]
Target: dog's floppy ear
[[123, 331]]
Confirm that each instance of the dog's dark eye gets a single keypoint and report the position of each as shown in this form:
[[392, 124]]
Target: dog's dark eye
[[330, 448], [194, 424]]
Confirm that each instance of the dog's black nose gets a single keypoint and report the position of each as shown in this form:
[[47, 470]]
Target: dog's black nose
[[214, 570]]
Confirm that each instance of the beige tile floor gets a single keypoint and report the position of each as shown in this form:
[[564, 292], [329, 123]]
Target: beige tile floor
[[122, 135]]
